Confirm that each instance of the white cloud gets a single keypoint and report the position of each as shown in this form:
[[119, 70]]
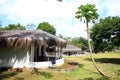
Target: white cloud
[[31, 10], [60, 14], [112, 7], [72, 31]]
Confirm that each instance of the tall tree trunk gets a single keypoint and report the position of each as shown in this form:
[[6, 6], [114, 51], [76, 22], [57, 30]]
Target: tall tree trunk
[[93, 61]]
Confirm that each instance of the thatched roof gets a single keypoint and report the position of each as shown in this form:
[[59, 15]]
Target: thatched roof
[[71, 48], [23, 38]]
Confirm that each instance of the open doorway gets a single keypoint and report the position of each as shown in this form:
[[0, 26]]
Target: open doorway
[[36, 53], [39, 53], [42, 54]]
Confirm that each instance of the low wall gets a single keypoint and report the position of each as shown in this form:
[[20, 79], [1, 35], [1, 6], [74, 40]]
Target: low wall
[[42, 65], [59, 62], [45, 64]]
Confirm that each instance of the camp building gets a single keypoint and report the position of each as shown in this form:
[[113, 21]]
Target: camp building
[[30, 48]]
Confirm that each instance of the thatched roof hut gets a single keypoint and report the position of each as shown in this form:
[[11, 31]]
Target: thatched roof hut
[[30, 48], [71, 50], [23, 38]]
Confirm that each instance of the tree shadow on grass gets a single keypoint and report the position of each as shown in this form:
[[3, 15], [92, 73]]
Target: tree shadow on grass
[[91, 78], [81, 66], [45, 74], [102, 78], [8, 72], [106, 60], [19, 78], [7, 75]]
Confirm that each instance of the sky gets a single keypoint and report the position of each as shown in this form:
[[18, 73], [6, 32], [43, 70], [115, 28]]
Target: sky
[[59, 14]]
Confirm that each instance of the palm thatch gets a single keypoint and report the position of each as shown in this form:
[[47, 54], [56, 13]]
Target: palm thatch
[[24, 38], [71, 48]]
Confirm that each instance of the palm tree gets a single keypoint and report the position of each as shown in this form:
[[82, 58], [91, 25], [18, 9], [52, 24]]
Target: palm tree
[[89, 13]]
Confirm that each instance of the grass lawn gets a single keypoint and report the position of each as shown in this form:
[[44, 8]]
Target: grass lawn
[[109, 63]]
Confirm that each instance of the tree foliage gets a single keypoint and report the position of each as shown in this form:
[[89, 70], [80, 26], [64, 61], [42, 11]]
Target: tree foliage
[[76, 41], [107, 33], [14, 27], [1, 29], [87, 12], [45, 26], [80, 42]]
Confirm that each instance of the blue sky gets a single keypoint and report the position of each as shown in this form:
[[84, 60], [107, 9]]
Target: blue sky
[[59, 14]]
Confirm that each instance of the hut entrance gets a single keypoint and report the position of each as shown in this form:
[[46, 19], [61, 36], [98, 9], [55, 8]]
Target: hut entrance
[[42, 56], [39, 53], [36, 53]]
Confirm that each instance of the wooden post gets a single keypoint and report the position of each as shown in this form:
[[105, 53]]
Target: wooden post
[[58, 52], [48, 54], [61, 52]]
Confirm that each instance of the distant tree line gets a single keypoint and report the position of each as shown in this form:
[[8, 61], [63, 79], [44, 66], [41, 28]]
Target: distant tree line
[[13, 27], [45, 26], [79, 42]]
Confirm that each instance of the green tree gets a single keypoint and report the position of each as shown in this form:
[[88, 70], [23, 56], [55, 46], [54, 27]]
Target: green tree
[[83, 43], [1, 29], [89, 13], [45, 26], [14, 27], [75, 41], [107, 33], [79, 42], [20, 27]]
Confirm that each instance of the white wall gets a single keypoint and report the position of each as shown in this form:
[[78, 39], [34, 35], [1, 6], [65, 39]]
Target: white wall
[[59, 62], [13, 57], [19, 58], [45, 64]]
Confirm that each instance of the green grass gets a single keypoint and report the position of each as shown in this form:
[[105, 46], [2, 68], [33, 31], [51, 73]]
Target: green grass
[[109, 63]]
